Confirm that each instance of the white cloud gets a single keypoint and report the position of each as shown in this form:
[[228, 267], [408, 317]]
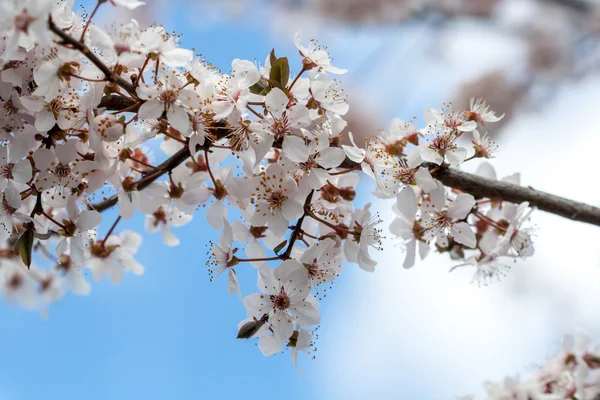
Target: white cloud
[[430, 333]]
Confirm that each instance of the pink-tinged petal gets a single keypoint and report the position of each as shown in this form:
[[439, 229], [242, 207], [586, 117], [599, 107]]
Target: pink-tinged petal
[[438, 196], [432, 116], [245, 73], [288, 268], [215, 214], [20, 147], [147, 92], [411, 251], [76, 249], [179, 118], [354, 153], [463, 234], [292, 209], [400, 227], [152, 108], [276, 102], [233, 285], [44, 121], [222, 109], [407, 203], [430, 155], [77, 283], [6, 227], [66, 152], [306, 314], [331, 157], [115, 273], [423, 250], [413, 159], [467, 126], [88, 219], [295, 149], [278, 224], [126, 208], [267, 281], [255, 250], [12, 196], [241, 232], [177, 57], [226, 237], [269, 345], [169, 238], [22, 171], [424, 180], [461, 206], [282, 325], [486, 170], [365, 262], [457, 156], [442, 240]]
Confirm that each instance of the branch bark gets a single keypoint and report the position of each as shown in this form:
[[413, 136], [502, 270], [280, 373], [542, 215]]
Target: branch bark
[[77, 45], [481, 187]]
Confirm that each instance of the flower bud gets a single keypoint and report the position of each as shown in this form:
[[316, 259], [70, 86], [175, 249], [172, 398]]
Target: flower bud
[[347, 193], [24, 246], [250, 328], [109, 127]]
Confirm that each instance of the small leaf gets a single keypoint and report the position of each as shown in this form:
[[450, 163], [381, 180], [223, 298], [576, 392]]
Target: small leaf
[[261, 87], [24, 246], [280, 246], [280, 73], [250, 328]]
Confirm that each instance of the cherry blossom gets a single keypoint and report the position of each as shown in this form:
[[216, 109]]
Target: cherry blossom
[[286, 289]]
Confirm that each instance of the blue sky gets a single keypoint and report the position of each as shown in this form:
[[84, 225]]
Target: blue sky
[[169, 334], [394, 334]]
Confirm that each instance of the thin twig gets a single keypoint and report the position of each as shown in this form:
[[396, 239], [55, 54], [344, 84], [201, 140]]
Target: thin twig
[[110, 75]]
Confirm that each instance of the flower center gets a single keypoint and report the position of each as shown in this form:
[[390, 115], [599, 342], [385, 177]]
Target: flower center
[[168, 97], [23, 20], [6, 171], [404, 175], [62, 171], [276, 199], [7, 208], [281, 301]]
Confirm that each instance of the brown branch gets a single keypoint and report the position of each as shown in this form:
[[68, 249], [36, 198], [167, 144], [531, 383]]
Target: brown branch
[[481, 187], [169, 165], [75, 44], [296, 232], [117, 103]]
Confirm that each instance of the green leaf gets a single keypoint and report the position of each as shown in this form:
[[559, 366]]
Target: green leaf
[[24, 246], [250, 328], [280, 72], [261, 87], [280, 246]]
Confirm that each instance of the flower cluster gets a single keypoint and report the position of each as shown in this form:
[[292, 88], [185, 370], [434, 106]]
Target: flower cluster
[[85, 111], [573, 373]]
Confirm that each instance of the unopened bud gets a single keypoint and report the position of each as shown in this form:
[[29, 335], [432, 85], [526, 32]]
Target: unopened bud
[[347, 193], [24, 246], [250, 328]]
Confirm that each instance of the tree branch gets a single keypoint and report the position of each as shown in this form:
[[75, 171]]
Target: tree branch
[[497, 190], [74, 43]]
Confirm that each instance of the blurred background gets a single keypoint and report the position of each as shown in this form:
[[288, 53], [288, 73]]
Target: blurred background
[[394, 334]]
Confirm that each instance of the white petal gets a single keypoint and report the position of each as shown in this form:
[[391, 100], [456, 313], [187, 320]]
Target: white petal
[[424, 180], [295, 149], [463, 234], [276, 102], [461, 207]]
